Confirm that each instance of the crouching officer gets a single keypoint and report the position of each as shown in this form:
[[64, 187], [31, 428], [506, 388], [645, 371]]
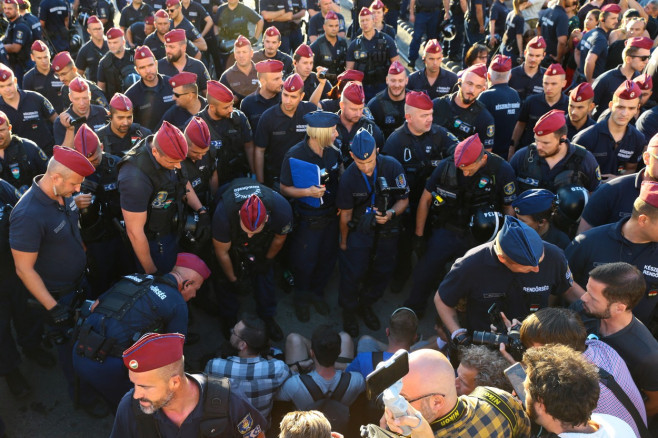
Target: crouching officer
[[460, 187], [372, 194], [314, 242], [152, 192], [249, 228], [157, 369], [135, 305]]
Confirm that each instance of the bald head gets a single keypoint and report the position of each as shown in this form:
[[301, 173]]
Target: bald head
[[431, 380]]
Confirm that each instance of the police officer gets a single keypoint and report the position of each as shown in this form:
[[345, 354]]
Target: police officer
[[502, 101], [21, 159], [200, 166], [43, 226], [316, 22], [330, 49], [197, 14], [24, 7], [536, 208], [615, 142], [552, 161], [313, 244], [372, 53], [152, 96], [268, 94], [232, 19], [554, 27], [278, 13], [120, 134], [636, 55], [424, 14], [539, 104], [592, 51], [152, 194], [332, 104], [42, 78], [134, 12], [387, 107], [242, 77], [418, 145], [524, 274], [280, 128], [17, 40], [461, 113], [581, 104], [116, 69], [80, 111], [179, 22], [527, 78], [230, 134], [54, 18], [472, 182], [315, 87], [352, 119], [158, 358], [135, 305], [372, 193], [188, 101], [30, 113], [156, 40], [249, 228], [136, 33], [433, 79], [272, 41], [177, 60], [66, 71]]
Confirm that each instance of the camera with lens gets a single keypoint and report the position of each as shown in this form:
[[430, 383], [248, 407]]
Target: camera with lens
[[512, 341], [384, 193], [322, 74], [77, 122]]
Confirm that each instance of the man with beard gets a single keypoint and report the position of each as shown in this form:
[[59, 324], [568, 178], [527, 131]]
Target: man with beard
[[188, 101], [178, 61], [121, 134], [526, 78], [592, 51], [581, 104], [387, 107], [172, 402], [613, 290], [270, 78], [117, 65], [81, 111], [433, 79], [93, 50], [242, 77], [152, 95], [156, 40], [461, 113], [270, 50]]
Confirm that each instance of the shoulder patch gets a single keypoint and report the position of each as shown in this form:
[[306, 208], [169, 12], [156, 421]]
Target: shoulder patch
[[598, 173], [43, 156], [452, 137], [509, 188], [246, 424], [568, 276], [401, 181], [287, 228], [491, 129]]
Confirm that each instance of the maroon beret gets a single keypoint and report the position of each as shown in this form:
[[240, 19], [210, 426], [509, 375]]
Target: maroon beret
[[175, 36], [550, 122], [171, 3], [582, 92], [501, 63], [219, 91], [242, 41], [479, 69], [377, 4], [554, 70], [269, 66], [331, 15], [433, 46], [418, 99], [113, 33], [61, 60], [143, 52], [611, 7], [161, 13], [537, 43], [365, 12], [293, 83], [171, 141], [121, 102], [304, 51], [253, 213], [272, 31], [628, 90], [93, 20], [3, 118], [644, 81], [351, 75], [193, 262], [11, 2], [86, 141], [78, 85], [38, 46], [182, 78], [5, 73], [153, 351], [649, 193], [396, 68], [353, 92], [73, 160], [641, 42], [149, 20], [468, 151], [198, 133]]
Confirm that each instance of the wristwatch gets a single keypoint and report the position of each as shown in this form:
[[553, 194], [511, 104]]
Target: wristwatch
[[392, 213]]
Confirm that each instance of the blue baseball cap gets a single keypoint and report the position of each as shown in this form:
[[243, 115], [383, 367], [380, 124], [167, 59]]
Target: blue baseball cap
[[321, 119], [520, 243], [363, 144], [533, 201]]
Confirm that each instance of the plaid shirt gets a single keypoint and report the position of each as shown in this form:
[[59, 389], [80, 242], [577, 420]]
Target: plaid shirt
[[255, 377], [482, 420]]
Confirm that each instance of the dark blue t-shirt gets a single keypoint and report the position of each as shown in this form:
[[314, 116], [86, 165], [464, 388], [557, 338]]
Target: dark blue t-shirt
[[504, 104]]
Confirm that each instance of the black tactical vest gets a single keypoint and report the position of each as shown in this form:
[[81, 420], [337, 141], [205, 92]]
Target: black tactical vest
[[461, 125], [529, 176], [373, 63]]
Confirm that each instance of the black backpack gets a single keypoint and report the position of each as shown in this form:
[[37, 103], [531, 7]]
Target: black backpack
[[329, 404]]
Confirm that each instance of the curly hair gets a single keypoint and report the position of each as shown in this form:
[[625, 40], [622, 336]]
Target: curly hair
[[489, 364], [305, 424]]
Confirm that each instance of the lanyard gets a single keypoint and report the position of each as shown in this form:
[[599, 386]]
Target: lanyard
[[371, 191]]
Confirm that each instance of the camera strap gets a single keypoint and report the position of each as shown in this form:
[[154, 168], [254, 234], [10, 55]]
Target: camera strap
[[609, 382], [451, 417], [498, 402], [371, 190]]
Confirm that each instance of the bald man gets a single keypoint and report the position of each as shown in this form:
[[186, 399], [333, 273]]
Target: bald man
[[429, 387]]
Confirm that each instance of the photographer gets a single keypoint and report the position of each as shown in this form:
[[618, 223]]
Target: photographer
[[373, 192]]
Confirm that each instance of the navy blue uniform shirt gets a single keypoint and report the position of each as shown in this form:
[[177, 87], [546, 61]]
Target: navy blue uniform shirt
[[504, 104], [499, 13], [53, 13], [19, 32], [387, 113], [605, 87], [460, 122], [513, 26], [191, 32], [595, 41], [88, 58], [554, 24], [158, 49], [150, 103], [32, 161], [613, 200], [443, 84], [572, 130], [130, 15], [254, 105], [524, 84], [49, 86], [196, 14], [647, 123], [97, 118], [192, 65], [32, 119], [276, 6], [316, 23], [345, 137], [179, 116], [532, 109], [115, 145]]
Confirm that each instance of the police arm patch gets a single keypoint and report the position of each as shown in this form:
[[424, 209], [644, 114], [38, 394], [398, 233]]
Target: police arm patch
[[246, 424], [401, 181], [491, 129], [509, 188], [598, 173]]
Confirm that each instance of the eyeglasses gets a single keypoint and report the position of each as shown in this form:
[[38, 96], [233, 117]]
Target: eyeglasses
[[236, 335], [172, 9], [178, 96], [654, 156], [424, 396], [641, 58]]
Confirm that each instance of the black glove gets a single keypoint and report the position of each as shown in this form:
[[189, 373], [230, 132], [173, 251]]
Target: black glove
[[366, 223], [203, 228], [419, 245], [462, 340], [263, 266], [61, 316]]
